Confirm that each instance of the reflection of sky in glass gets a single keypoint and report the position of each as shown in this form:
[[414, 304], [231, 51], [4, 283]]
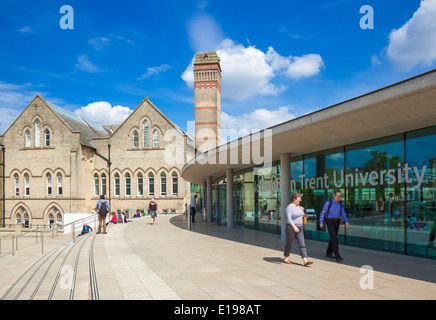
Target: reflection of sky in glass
[[359, 158], [420, 150], [335, 161], [296, 169], [310, 167]]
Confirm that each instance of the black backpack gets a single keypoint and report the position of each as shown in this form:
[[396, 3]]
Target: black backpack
[[103, 209]]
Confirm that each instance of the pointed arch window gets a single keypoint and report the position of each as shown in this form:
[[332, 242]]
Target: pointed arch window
[[155, 139], [128, 184], [145, 137], [59, 183], [135, 139], [163, 184], [26, 220], [28, 139], [140, 185], [16, 185], [96, 185], [48, 183], [175, 184], [117, 184], [47, 138], [37, 133], [26, 184], [151, 184], [50, 219], [103, 184]]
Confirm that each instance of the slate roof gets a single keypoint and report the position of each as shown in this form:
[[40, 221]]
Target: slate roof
[[88, 130]]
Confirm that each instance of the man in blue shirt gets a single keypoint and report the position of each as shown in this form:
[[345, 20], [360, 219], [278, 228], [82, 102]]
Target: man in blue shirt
[[193, 207], [331, 214]]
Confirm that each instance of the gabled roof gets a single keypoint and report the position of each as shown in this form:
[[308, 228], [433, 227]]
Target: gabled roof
[[146, 99]]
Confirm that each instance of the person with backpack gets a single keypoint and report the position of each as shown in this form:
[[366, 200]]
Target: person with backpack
[[332, 213], [103, 209]]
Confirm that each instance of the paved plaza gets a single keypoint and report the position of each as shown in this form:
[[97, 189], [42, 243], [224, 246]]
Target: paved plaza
[[165, 261]]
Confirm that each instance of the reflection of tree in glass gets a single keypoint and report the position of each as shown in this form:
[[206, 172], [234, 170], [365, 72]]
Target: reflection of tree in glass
[[380, 162]]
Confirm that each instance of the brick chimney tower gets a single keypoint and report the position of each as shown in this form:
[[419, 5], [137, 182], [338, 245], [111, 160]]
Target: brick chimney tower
[[207, 95]]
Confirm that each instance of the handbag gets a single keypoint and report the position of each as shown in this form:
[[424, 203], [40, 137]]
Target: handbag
[[304, 219]]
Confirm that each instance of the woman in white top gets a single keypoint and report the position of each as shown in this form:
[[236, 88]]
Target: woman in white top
[[294, 229]]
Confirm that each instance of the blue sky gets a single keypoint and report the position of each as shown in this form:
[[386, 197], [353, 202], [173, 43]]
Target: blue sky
[[280, 59]]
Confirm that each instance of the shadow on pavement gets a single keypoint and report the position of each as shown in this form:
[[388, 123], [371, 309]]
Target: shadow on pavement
[[391, 263]]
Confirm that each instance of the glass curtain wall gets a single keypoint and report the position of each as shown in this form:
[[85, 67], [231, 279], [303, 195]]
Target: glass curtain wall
[[256, 199], [374, 199], [388, 190], [268, 182], [420, 194], [197, 190]]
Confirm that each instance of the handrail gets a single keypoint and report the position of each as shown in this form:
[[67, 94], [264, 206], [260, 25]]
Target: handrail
[[44, 230]]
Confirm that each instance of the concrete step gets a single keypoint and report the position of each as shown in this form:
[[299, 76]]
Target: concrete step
[[61, 274]]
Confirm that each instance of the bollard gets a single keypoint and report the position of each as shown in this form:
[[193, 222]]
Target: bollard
[[12, 244], [188, 219], [42, 242]]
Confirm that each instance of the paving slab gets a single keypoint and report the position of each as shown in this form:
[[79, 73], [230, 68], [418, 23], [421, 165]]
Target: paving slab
[[165, 261]]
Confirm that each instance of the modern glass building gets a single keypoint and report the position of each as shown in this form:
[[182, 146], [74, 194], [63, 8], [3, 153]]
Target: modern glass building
[[378, 149]]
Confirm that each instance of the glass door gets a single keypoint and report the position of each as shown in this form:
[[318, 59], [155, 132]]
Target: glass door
[[238, 203]]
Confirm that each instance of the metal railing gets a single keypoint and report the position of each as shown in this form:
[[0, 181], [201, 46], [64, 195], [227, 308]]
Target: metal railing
[[41, 233]]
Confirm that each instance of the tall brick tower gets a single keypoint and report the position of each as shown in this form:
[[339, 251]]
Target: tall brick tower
[[207, 94]]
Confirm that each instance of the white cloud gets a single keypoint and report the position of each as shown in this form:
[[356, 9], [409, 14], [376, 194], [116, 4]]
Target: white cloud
[[27, 29], [304, 66], [188, 74], [154, 71], [98, 43], [248, 71], [245, 72], [415, 41], [204, 32], [254, 121], [84, 64], [375, 61], [104, 113]]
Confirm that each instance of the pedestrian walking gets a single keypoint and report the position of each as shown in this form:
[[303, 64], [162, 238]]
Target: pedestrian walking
[[102, 209], [152, 206], [332, 213], [193, 207], [294, 229]]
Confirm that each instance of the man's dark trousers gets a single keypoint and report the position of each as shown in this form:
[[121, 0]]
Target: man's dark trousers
[[333, 228], [193, 211]]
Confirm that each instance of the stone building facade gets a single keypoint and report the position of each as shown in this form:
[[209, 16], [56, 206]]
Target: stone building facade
[[58, 163]]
